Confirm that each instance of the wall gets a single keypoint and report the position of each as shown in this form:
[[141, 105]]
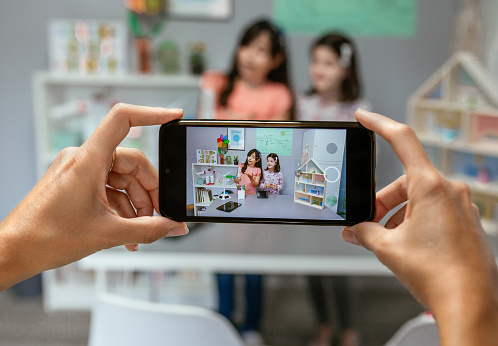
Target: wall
[[392, 69]]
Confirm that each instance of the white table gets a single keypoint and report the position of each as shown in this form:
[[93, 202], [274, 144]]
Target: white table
[[235, 248]]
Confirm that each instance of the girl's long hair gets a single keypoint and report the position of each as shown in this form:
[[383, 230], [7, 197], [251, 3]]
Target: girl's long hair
[[257, 164], [351, 86], [278, 75]]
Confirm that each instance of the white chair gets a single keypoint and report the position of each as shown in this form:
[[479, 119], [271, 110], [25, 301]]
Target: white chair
[[124, 321], [421, 330]]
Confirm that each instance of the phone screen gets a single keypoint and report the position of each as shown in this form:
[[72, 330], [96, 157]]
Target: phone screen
[[267, 172], [272, 173]]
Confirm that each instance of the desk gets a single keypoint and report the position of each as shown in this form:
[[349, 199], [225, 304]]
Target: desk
[[275, 206], [242, 249]]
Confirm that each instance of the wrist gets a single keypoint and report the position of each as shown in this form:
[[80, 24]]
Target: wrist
[[469, 314]]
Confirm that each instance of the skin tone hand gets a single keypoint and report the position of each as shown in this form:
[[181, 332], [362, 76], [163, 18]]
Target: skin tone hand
[[254, 179], [435, 243], [71, 211]]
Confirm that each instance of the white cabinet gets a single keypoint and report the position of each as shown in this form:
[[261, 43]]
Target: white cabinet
[[67, 109], [209, 182]]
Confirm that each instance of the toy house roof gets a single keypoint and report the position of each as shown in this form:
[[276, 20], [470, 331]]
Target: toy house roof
[[471, 66], [304, 164]]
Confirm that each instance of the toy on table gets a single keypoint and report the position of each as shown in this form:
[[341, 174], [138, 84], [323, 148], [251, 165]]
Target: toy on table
[[224, 194]]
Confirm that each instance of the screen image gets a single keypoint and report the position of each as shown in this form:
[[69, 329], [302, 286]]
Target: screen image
[[276, 173]]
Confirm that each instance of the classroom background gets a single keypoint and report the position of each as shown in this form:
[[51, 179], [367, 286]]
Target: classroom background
[[393, 64]]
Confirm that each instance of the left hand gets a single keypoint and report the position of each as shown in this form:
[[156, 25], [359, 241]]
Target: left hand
[[70, 214]]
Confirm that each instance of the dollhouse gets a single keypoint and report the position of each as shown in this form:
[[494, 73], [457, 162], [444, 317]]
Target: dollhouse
[[455, 115], [309, 186]]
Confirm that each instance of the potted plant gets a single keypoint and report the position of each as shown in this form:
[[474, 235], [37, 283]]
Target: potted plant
[[196, 57]]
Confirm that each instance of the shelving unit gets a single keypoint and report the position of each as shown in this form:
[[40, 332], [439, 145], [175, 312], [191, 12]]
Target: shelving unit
[[219, 183], [455, 116], [309, 185], [67, 108]]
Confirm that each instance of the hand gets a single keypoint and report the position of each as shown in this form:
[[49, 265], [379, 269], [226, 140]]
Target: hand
[[237, 180], [435, 243], [69, 214]]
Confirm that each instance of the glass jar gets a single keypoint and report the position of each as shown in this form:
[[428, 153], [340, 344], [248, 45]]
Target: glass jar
[[230, 180], [228, 160]]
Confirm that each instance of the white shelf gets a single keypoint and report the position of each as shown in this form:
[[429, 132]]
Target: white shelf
[[129, 80], [459, 145], [490, 188], [310, 194], [217, 186], [214, 165]]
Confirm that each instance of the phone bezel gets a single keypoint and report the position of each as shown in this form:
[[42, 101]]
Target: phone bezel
[[360, 170]]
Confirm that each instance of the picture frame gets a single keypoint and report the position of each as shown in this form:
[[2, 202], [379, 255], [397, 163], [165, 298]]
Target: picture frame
[[236, 138], [215, 10]]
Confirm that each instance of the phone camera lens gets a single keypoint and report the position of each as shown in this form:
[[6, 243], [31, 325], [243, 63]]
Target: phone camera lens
[[167, 170]]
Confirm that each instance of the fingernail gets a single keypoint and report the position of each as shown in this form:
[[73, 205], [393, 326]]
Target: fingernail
[[177, 109], [136, 247], [362, 111], [177, 231], [348, 235]]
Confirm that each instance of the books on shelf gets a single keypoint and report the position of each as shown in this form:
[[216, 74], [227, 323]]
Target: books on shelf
[[204, 195]]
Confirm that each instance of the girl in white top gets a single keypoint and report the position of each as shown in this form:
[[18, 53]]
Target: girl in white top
[[335, 84], [335, 95]]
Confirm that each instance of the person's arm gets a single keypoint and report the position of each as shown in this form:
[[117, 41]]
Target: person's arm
[[78, 207], [254, 178], [435, 243], [280, 182]]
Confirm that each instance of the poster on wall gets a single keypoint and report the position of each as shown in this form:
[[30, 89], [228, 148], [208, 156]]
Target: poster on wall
[[200, 9], [372, 18], [272, 140], [236, 138]]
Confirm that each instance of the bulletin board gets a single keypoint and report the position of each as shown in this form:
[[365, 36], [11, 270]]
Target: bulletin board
[[371, 18]]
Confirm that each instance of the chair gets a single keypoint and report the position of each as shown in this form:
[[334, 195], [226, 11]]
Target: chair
[[421, 330], [123, 321]]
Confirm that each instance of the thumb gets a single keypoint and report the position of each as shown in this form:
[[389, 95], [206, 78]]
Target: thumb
[[148, 229], [365, 234]]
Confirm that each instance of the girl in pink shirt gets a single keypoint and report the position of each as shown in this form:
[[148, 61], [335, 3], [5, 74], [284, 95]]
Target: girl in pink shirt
[[257, 86], [251, 172]]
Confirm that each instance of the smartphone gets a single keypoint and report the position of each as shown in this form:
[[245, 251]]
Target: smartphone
[[316, 173]]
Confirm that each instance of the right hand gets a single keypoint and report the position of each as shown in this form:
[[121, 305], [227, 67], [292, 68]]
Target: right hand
[[237, 180], [435, 243]]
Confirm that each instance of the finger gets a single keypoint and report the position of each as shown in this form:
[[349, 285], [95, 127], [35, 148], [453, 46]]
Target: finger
[[120, 202], [136, 192], [400, 137], [147, 229], [390, 197], [116, 125], [365, 234], [397, 219], [134, 163]]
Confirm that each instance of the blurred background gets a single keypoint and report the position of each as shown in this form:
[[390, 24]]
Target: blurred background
[[64, 63]]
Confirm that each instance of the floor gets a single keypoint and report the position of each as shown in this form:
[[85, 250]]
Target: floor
[[382, 306]]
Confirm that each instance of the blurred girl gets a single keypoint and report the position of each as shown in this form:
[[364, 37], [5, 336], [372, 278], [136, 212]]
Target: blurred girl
[[257, 86], [334, 96], [273, 180], [335, 84]]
